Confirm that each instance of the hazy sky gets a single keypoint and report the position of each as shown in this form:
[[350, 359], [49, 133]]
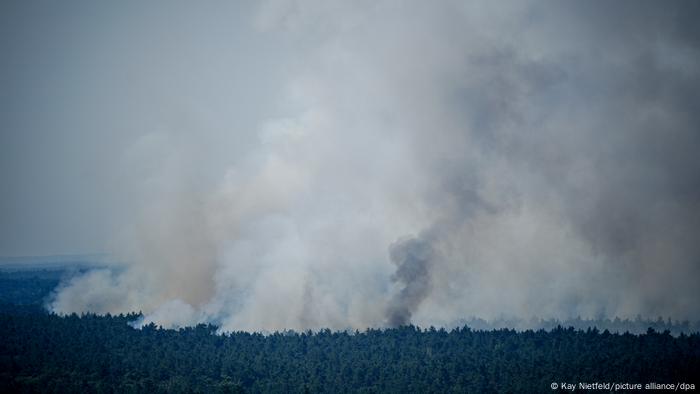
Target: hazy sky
[[82, 83], [295, 164]]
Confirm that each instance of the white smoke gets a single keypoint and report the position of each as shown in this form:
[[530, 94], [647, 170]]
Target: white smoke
[[474, 127]]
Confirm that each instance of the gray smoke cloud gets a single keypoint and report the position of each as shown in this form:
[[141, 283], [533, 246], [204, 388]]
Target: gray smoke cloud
[[412, 258], [267, 169]]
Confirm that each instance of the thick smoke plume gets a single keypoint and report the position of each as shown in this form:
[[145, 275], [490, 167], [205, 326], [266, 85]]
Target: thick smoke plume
[[412, 258], [549, 149]]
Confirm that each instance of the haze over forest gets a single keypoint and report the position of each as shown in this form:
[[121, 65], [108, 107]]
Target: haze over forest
[[309, 164]]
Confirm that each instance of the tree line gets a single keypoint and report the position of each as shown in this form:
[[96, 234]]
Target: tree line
[[44, 352]]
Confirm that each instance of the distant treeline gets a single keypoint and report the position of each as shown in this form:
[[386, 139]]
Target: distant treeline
[[29, 287], [637, 325], [42, 352]]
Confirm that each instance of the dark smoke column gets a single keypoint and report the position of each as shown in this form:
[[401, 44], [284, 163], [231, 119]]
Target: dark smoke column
[[412, 258]]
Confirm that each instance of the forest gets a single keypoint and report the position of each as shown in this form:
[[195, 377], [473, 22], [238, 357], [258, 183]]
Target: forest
[[45, 352]]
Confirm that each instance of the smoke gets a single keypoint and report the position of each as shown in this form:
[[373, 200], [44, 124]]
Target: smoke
[[545, 153], [412, 258]]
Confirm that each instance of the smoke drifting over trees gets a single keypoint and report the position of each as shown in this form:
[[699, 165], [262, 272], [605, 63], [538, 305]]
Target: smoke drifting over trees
[[342, 164], [412, 258]]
